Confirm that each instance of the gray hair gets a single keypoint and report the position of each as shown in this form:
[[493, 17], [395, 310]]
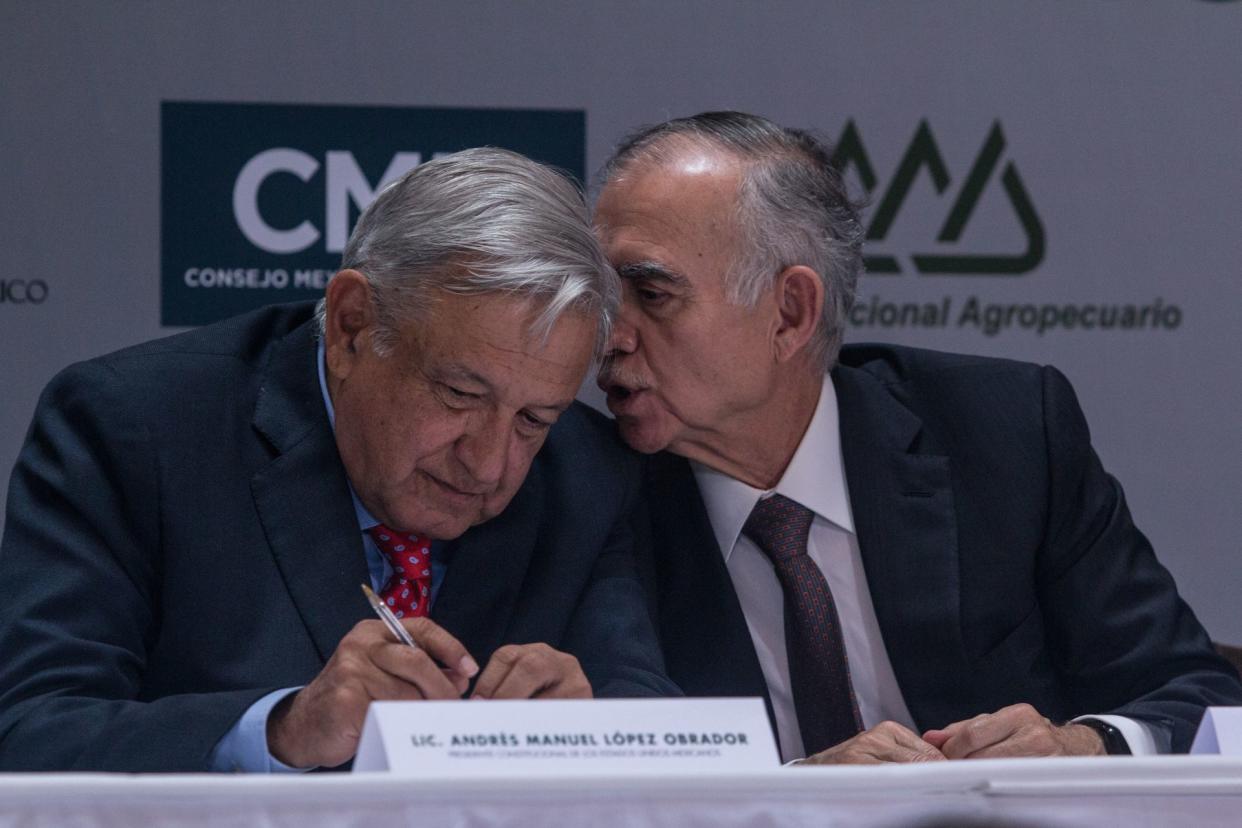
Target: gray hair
[[792, 208], [483, 220]]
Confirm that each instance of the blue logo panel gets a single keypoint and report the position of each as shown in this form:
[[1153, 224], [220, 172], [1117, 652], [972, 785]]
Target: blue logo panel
[[257, 200]]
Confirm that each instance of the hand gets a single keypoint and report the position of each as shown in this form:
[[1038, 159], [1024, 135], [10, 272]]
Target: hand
[[320, 724], [886, 742], [532, 671], [1017, 730]]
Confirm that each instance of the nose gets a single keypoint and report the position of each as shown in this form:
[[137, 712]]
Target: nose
[[483, 450], [624, 336]]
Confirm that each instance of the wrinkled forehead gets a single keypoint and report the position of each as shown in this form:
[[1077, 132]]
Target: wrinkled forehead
[[684, 216]]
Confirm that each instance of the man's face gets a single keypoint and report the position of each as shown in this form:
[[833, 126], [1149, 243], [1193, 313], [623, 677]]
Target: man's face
[[438, 435], [685, 362]]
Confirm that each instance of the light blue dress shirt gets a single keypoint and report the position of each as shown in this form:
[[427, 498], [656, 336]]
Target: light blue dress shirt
[[244, 747]]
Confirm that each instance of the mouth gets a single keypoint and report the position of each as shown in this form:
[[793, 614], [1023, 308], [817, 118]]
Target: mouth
[[620, 396], [454, 492], [620, 390]]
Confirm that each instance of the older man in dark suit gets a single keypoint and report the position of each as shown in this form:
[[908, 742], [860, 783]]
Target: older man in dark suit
[[911, 555], [190, 520]]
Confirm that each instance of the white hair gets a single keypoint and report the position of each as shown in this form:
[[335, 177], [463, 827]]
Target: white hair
[[483, 220]]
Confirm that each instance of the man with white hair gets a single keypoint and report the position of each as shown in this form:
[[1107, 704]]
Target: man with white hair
[[190, 520], [912, 555]]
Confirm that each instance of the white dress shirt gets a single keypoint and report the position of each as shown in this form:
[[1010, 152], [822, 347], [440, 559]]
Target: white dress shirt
[[815, 478]]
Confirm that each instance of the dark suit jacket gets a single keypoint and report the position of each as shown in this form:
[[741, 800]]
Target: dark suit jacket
[[180, 540], [1000, 556]]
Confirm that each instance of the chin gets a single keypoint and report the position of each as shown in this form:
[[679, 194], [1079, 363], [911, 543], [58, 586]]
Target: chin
[[447, 529], [436, 523], [449, 525], [642, 436]]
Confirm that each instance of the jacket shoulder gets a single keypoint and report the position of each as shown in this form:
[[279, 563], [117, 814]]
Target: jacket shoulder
[[959, 399], [246, 337], [897, 364], [179, 380]]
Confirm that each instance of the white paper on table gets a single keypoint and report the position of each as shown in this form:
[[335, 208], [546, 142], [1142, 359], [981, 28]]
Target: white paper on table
[[456, 739], [1219, 732]]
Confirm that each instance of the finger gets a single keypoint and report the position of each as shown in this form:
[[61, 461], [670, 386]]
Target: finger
[[977, 734], [885, 743], [569, 683], [415, 669], [568, 687], [441, 646], [460, 683], [355, 661], [497, 668], [1038, 739], [1016, 730], [828, 757], [530, 670], [544, 673], [1005, 749], [956, 730], [526, 671], [904, 745], [923, 752], [528, 678]]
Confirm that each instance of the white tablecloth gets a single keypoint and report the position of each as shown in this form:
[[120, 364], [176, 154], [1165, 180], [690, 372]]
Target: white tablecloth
[[1182, 791]]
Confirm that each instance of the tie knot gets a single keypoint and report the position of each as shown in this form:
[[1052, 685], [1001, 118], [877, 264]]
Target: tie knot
[[779, 526], [410, 555]]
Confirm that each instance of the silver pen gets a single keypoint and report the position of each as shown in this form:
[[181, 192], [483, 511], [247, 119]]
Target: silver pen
[[390, 620]]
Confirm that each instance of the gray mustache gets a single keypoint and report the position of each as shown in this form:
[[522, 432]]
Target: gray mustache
[[611, 374]]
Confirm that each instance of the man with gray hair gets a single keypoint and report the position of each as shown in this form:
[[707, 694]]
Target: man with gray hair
[[911, 555], [190, 520]]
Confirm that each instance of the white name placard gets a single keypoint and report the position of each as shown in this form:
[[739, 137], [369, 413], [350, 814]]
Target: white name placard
[[1219, 732], [455, 739]]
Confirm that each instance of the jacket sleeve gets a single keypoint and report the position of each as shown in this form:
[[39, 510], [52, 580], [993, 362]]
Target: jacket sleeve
[[1120, 634], [80, 595]]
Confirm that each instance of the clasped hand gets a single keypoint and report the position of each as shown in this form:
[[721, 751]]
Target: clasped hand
[[321, 724], [1017, 730]]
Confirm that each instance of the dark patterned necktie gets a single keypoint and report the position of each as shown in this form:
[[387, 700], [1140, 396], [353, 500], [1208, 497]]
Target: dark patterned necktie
[[819, 673], [408, 590]]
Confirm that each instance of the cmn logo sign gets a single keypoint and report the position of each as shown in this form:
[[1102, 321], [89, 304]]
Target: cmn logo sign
[[345, 187], [922, 154], [258, 200]]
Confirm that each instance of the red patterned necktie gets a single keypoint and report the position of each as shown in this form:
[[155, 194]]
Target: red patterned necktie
[[819, 672], [408, 591]]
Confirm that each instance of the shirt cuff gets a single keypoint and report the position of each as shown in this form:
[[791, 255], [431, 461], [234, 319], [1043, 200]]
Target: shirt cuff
[[1143, 738], [244, 748]]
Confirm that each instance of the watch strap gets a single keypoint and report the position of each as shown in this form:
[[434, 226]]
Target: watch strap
[[1115, 743]]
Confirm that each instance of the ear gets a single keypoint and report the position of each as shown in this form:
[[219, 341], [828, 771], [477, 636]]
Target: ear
[[349, 319], [799, 302]]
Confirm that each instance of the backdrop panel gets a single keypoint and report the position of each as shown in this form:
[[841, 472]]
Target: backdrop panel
[[1047, 181]]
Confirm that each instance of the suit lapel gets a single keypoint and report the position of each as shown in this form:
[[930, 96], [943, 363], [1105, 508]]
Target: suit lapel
[[696, 602], [903, 509], [303, 498], [486, 568]]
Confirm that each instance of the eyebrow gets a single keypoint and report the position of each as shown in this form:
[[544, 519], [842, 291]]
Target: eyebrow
[[460, 372], [651, 271]]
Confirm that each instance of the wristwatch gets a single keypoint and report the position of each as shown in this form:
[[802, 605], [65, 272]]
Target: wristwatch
[[1115, 744]]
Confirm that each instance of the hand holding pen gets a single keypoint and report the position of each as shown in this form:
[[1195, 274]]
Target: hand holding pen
[[516, 671], [321, 723]]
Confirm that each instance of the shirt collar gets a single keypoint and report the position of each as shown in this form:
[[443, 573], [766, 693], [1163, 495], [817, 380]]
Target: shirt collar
[[815, 478], [365, 519]]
